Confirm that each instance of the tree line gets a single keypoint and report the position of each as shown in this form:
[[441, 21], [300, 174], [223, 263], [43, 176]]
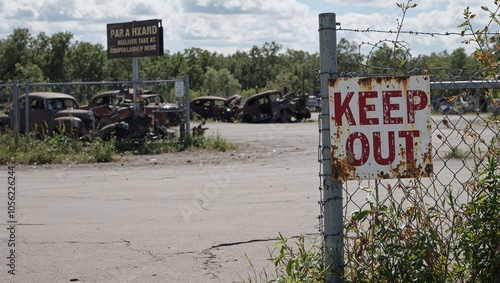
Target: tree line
[[57, 58]]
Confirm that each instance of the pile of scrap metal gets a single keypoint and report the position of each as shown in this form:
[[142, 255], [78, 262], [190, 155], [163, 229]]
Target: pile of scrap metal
[[115, 114], [199, 130]]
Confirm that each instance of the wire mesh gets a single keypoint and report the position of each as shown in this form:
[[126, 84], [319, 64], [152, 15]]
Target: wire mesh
[[386, 220], [428, 229], [42, 115]]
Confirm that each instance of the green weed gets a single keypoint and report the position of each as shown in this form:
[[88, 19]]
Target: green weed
[[62, 148], [478, 230], [300, 263]]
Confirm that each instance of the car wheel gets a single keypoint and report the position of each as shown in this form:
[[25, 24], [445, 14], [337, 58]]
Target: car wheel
[[247, 119], [3, 128], [286, 116]]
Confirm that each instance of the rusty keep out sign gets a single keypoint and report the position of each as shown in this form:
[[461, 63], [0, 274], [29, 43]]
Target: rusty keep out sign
[[380, 128]]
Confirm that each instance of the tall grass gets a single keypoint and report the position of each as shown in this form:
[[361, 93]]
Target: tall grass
[[61, 148]]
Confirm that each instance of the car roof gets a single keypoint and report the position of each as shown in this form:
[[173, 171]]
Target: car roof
[[208, 97], [108, 92], [49, 95], [273, 91]]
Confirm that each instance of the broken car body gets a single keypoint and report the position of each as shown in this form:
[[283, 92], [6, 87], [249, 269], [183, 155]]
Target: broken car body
[[215, 107], [273, 106], [114, 112]]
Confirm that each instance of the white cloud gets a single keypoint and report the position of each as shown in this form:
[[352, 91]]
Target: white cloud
[[362, 3], [225, 26], [424, 21]]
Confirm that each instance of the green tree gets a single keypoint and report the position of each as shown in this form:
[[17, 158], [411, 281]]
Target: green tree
[[30, 71], [87, 61], [159, 67], [271, 60], [265, 64], [349, 58], [239, 64], [256, 69], [118, 69], [197, 61], [40, 49], [220, 83], [58, 57], [14, 54], [380, 60], [435, 61], [460, 62], [285, 79], [302, 67]]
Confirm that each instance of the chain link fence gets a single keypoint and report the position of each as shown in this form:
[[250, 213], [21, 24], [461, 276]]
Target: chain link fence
[[438, 229], [388, 222], [96, 109]]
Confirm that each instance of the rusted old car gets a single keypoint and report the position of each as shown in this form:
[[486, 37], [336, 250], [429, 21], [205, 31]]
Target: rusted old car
[[115, 113], [51, 112], [215, 107], [107, 107], [272, 106], [110, 103]]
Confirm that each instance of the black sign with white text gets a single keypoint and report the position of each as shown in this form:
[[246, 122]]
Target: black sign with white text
[[135, 39]]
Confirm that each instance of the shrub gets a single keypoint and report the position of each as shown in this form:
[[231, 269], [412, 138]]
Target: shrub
[[304, 264], [478, 230], [397, 242], [61, 147]]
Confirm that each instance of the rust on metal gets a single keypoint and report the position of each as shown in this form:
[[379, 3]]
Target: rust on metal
[[380, 127], [342, 168]]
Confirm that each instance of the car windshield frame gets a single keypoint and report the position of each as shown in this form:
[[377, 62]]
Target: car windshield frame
[[61, 103]]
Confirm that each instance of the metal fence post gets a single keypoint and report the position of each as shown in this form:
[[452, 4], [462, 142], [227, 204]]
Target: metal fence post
[[135, 84], [332, 191], [188, 110], [27, 111], [15, 111]]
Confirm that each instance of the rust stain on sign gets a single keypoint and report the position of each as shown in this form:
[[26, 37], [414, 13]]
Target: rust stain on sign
[[380, 128]]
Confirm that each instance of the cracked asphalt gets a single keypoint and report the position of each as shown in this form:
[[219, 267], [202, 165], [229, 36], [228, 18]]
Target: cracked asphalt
[[181, 217]]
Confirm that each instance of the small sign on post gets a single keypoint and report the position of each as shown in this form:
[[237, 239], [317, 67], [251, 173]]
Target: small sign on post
[[380, 128], [132, 40], [179, 89]]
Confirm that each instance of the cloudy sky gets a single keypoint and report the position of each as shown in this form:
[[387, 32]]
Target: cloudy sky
[[225, 26]]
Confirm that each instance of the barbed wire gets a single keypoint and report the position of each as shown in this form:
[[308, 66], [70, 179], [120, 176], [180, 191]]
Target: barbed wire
[[432, 34], [407, 62]]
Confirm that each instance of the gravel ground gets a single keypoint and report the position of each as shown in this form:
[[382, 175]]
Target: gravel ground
[[181, 217]]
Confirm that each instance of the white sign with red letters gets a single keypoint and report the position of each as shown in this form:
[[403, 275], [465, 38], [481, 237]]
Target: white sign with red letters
[[380, 128]]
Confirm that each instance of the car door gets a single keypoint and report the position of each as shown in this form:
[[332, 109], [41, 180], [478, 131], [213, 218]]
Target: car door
[[40, 119], [208, 107], [102, 105]]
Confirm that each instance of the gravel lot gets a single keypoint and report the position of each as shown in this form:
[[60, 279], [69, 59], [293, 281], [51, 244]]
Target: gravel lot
[[183, 217]]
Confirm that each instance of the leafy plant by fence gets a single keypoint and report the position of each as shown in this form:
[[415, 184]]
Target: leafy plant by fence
[[439, 229], [444, 228]]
